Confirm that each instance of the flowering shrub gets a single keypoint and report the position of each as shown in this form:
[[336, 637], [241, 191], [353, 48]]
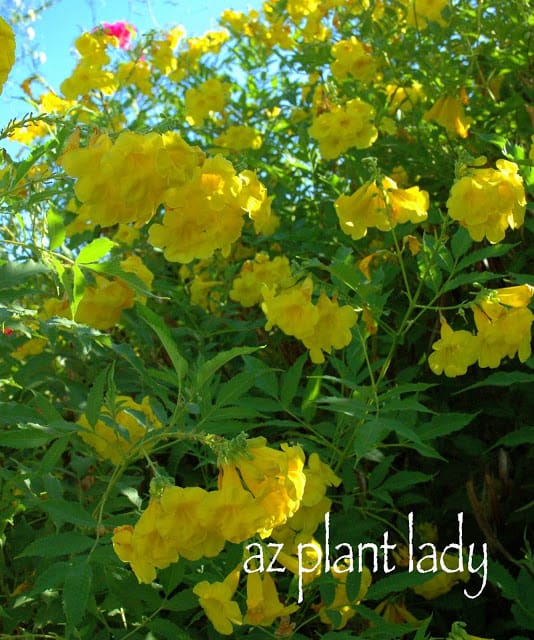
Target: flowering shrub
[[266, 329]]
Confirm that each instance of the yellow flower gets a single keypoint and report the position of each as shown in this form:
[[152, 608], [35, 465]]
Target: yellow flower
[[134, 264], [202, 216], [216, 600], [363, 209], [454, 352], [238, 138], [106, 436], [247, 286], [32, 347], [205, 100], [7, 51], [422, 11], [449, 113], [274, 478], [263, 603], [332, 329], [441, 582], [403, 98], [255, 202], [518, 296], [292, 309], [488, 201], [353, 58], [341, 128], [502, 332], [101, 305]]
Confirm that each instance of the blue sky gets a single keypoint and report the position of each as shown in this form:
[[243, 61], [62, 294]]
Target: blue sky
[[58, 26]]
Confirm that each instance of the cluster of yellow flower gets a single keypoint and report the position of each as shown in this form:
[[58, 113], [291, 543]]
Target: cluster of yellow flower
[[343, 127], [259, 489], [503, 324], [89, 73], [127, 180], [238, 138], [106, 436], [206, 213], [382, 207], [321, 326], [353, 58], [487, 201], [205, 100], [7, 51]]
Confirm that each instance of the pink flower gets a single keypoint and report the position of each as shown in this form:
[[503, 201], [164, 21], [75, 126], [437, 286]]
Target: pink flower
[[123, 31]]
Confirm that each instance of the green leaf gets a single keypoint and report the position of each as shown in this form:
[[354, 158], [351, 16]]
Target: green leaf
[[12, 413], [56, 545], [235, 388], [51, 578], [500, 577], [421, 632], [182, 601], [13, 273], [56, 229], [368, 435], [95, 397], [76, 591], [113, 268], [493, 251], [62, 511], [95, 250], [516, 438], [209, 368], [290, 381], [404, 479], [461, 242], [443, 424], [29, 436], [162, 331], [78, 288], [394, 583], [501, 379]]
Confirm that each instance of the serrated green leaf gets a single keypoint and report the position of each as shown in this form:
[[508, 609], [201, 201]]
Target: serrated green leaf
[[404, 479], [461, 242], [95, 250], [394, 583], [113, 268], [51, 578], [78, 288], [76, 591], [12, 413], [13, 273], [29, 436], [182, 601], [368, 435], [501, 379], [95, 397], [56, 545], [209, 368], [516, 438], [493, 251], [61, 511], [443, 424], [229, 392], [56, 229], [289, 383], [162, 331], [421, 632]]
